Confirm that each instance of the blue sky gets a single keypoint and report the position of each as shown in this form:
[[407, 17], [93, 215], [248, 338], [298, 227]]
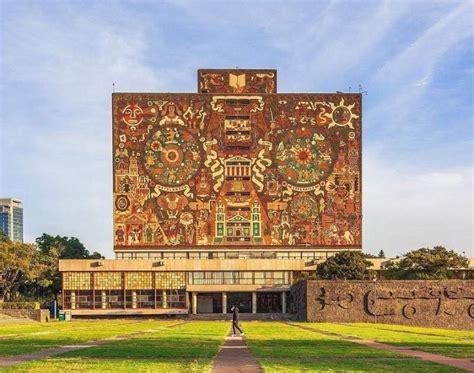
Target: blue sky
[[415, 60]]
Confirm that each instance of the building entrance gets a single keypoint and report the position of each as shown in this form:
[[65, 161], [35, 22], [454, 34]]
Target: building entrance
[[243, 300], [209, 303]]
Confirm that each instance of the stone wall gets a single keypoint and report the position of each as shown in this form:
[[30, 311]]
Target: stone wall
[[37, 315], [446, 304]]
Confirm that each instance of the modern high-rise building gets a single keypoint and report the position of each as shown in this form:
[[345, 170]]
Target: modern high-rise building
[[224, 196], [11, 218]]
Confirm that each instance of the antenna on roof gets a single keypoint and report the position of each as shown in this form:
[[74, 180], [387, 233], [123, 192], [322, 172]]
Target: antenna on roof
[[361, 90], [113, 87]]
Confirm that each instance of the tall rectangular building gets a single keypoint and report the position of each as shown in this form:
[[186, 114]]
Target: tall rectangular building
[[226, 195], [11, 218]]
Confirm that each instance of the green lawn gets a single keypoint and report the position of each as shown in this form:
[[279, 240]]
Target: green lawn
[[284, 348], [26, 338], [178, 346], [189, 347], [453, 343]]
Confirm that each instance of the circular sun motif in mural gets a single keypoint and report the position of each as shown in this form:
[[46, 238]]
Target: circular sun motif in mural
[[341, 115], [303, 157], [172, 156]]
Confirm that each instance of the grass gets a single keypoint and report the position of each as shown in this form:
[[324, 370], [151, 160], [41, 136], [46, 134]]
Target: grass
[[189, 347], [18, 339], [453, 343], [284, 348]]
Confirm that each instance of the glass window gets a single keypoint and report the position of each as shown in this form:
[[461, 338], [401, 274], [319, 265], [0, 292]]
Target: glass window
[[168, 255], [295, 254], [180, 255], [232, 255], [194, 255], [142, 256], [282, 255]]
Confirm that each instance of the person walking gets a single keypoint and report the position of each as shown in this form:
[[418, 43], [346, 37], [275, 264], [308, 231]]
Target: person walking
[[235, 321]]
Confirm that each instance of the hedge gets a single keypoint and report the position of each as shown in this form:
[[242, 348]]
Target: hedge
[[20, 305]]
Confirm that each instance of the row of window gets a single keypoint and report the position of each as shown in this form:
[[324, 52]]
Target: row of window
[[239, 278], [169, 280], [119, 299], [117, 280], [227, 255]]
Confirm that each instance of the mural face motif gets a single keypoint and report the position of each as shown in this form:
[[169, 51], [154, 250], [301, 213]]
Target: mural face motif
[[237, 168]]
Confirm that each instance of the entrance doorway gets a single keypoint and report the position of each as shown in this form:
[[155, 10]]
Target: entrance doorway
[[209, 303], [269, 303], [243, 300]]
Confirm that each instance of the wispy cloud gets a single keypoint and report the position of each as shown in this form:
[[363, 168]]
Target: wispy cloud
[[59, 60]]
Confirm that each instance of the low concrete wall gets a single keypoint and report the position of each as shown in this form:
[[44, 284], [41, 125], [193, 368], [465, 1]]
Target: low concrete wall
[[37, 315], [446, 304]]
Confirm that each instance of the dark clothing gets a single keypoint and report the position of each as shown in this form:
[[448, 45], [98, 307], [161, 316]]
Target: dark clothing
[[235, 314], [235, 325], [235, 319]]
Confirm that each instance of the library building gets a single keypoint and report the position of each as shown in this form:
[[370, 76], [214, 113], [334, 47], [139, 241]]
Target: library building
[[222, 197]]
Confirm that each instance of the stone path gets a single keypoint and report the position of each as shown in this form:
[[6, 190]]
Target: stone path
[[234, 356], [465, 364], [14, 360]]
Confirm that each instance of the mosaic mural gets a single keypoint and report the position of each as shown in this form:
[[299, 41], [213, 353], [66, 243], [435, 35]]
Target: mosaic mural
[[237, 81], [237, 169]]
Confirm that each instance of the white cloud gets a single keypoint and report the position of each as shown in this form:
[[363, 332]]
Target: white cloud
[[419, 58], [58, 69]]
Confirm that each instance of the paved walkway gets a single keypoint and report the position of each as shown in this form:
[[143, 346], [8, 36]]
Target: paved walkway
[[14, 360], [234, 357], [440, 359]]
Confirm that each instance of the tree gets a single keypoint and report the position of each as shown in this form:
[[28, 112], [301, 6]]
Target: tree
[[345, 265], [4, 237], [381, 254], [425, 263], [53, 248], [20, 266], [69, 247]]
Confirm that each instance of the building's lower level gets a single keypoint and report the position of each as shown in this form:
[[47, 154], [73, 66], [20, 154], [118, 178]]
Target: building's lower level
[[179, 286]]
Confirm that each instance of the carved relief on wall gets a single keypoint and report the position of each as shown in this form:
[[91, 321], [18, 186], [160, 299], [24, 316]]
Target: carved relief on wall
[[444, 303]]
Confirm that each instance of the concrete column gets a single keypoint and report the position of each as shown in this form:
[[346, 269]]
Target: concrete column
[[194, 303], [73, 300], [103, 299], [164, 298], [134, 299], [254, 302], [224, 302], [283, 301]]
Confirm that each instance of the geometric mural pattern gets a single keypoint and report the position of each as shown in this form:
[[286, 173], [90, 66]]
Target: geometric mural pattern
[[237, 169]]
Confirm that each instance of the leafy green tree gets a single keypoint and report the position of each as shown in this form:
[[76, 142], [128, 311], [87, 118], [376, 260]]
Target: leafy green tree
[[345, 265], [4, 237], [53, 248], [381, 254], [68, 247], [425, 263], [20, 267]]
